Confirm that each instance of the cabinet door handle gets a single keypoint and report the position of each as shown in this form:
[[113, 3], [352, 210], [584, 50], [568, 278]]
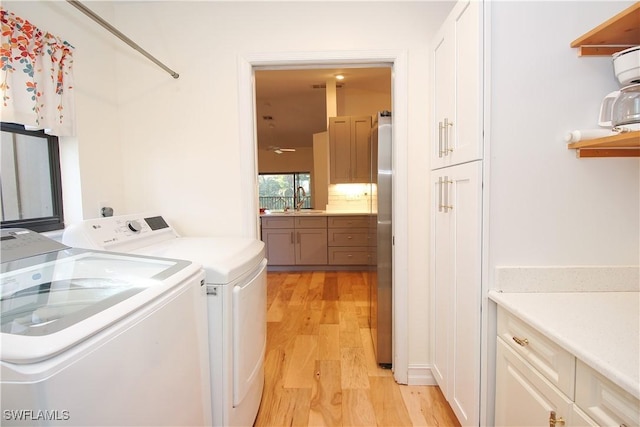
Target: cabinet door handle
[[439, 194], [440, 151], [553, 420], [447, 207], [292, 237], [523, 342], [447, 124]]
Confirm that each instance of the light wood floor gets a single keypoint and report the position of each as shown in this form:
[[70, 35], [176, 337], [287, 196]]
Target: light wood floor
[[320, 366]]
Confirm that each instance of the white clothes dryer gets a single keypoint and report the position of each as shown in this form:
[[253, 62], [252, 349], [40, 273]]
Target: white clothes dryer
[[98, 338], [235, 269]]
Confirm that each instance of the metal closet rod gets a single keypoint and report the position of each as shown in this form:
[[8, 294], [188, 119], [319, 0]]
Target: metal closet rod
[[91, 14]]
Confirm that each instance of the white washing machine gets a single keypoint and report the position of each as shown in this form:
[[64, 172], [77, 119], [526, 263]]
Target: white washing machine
[[97, 338], [236, 282]]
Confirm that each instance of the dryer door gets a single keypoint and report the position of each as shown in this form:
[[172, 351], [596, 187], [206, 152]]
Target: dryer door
[[249, 332]]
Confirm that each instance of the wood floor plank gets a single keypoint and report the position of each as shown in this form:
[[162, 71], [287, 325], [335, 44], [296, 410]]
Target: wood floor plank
[[329, 342], [326, 395], [428, 407], [353, 368], [276, 310], [330, 287], [388, 403], [349, 330], [300, 370], [301, 290], [357, 409], [330, 313]]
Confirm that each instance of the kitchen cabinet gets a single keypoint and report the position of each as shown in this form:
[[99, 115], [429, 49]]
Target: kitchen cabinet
[[457, 87], [456, 286], [617, 33], [350, 149], [295, 240], [538, 381], [351, 240]]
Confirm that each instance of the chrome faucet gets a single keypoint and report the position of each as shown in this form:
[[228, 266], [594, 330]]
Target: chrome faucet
[[299, 198]]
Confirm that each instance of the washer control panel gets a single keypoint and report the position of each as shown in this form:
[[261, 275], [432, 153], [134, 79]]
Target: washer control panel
[[18, 243], [124, 233]]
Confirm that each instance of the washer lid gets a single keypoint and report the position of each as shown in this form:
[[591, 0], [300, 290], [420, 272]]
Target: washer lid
[[224, 259], [53, 301]]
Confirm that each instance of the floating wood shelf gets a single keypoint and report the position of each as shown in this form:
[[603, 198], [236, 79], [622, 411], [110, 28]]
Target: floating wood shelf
[[618, 33], [623, 145]]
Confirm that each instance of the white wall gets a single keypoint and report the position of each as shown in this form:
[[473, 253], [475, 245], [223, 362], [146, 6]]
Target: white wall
[[547, 207]]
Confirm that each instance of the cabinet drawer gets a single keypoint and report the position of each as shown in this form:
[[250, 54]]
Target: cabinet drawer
[[346, 237], [277, 222], [603, 401], [551, 360], [311, 222], [354, 221], [349, 256]]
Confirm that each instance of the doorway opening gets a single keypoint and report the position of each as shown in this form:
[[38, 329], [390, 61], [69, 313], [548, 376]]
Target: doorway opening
[[397, 61]]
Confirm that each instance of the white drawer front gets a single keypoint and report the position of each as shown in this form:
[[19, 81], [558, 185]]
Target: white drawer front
[[551, 360], [604, 401]]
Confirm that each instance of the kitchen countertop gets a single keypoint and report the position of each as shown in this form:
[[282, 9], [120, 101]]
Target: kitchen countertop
[[314, 212], [600, 328]]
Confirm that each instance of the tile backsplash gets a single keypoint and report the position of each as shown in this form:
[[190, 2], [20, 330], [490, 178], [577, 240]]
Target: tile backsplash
[[352, 198]]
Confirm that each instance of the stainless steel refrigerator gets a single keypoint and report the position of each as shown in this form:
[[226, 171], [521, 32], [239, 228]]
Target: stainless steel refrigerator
[[381, 279]]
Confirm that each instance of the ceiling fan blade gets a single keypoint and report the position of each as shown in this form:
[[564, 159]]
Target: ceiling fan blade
[[287, 149]]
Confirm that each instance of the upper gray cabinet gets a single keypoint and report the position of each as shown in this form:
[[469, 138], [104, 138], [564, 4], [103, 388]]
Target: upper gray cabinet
[[349, 149]]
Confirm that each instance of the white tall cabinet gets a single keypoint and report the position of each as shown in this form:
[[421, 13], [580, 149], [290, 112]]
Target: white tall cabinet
[[456, 208]]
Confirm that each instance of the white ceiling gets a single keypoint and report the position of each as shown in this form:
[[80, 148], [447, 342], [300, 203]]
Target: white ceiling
[[296, 109]]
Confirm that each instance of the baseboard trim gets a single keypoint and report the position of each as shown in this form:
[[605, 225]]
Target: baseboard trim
[[421, 375]]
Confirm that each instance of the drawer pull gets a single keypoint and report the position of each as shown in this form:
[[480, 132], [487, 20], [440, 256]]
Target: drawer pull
[[553, 420], [521, 341]]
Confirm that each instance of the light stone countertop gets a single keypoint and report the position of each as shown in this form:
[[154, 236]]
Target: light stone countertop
[[315, 213], [600, 328]]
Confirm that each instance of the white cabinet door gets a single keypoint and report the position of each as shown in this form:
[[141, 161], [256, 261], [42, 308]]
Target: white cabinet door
[[456, 286], [457, 87], [523, 396]]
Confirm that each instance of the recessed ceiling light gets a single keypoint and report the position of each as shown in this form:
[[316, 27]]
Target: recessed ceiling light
[[339, 77]]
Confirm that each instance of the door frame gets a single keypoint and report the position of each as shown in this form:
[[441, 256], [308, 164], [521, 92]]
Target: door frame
[[249, 167]]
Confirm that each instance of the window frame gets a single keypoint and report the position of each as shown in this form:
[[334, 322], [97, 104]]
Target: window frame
[[295, 186], [55, 221]]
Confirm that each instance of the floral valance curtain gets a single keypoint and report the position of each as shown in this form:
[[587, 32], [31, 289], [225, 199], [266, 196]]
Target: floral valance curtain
[[36, 77]]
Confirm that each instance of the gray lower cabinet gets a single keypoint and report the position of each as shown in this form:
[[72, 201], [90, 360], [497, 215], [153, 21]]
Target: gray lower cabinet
[[319, 240], [350, 240], [295, 240]]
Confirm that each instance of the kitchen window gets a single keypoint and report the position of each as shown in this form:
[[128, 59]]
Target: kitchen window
[[30, 183], [281, 191]]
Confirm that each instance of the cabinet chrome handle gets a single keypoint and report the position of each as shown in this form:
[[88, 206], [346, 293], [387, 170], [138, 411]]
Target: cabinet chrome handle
[[521, 341], [553, 420]]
